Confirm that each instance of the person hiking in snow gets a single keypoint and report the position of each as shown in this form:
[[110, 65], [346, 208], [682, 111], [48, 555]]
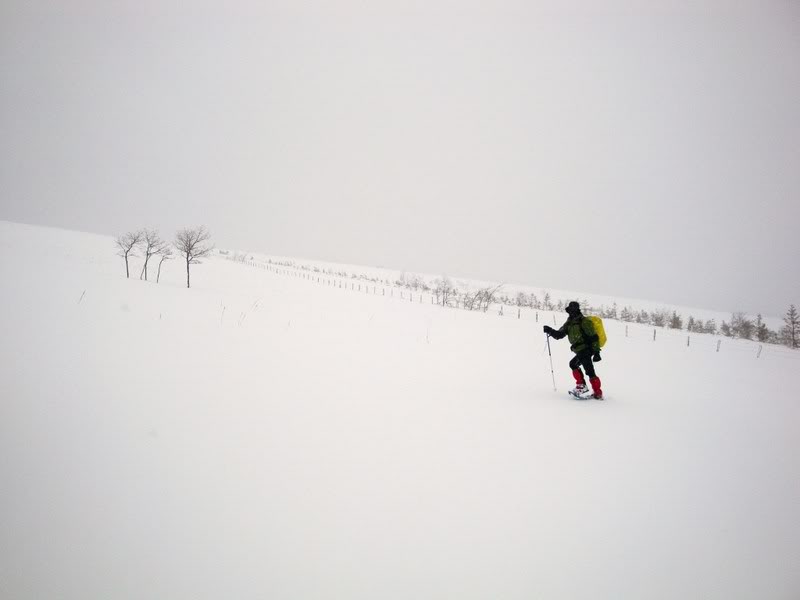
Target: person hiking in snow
[[586, 346]]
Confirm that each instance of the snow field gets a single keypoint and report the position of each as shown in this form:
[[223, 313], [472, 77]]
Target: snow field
[[309, 442]]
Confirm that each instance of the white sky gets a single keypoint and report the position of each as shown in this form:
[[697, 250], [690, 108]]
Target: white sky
[[645, 149]]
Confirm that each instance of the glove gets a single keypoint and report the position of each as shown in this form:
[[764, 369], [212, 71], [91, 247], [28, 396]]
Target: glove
[[549, 330], [596, 357]]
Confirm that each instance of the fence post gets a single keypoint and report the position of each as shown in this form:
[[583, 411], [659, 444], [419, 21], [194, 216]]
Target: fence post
[[687, 340], [519, 313], [718, 343], [537, 317], [654, 334], [760, 347]]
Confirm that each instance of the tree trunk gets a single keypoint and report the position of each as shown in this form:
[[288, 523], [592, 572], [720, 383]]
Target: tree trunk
[[187, 273], [127, 270], [158, 276]]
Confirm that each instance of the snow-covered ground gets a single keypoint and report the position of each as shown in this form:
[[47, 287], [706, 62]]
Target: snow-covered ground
[[265, 436], [508, 289]]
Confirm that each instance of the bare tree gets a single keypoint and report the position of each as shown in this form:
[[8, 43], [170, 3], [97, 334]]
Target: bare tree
[[469, 299], [166, 254], [486, 296], [547, 303], [659, 317], [193, 244], [726, 330], [612, 312], [741, 326], [126, 243], [151, 244], [443, 289]]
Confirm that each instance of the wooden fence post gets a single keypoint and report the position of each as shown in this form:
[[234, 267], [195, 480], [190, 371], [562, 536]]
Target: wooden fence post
[[718, 343]]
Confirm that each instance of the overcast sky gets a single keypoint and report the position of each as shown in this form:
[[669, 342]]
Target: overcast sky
[[645, 149]]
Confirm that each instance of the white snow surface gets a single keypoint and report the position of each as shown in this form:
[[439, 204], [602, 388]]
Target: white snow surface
[[509, 289], [262, 435]]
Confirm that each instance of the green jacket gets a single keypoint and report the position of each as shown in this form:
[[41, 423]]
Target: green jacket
[[582, 336]]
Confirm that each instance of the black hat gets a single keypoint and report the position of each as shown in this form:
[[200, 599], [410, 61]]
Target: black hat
[[573, 308]]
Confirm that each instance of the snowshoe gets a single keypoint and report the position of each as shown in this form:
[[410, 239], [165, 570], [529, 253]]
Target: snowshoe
[[581, 392]]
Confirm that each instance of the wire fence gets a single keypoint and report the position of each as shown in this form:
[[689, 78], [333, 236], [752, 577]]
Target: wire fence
[[636, 332]]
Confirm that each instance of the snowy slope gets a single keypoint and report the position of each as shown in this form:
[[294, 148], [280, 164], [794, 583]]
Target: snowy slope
[[263, 436], [509, 289]]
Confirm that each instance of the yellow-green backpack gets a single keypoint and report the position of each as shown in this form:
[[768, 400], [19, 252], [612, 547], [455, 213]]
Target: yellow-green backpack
[[599, 329]]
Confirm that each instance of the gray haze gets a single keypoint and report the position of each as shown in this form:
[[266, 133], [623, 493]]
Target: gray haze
[[646, 149]]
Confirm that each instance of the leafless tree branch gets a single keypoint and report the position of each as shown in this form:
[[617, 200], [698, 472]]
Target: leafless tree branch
[[126, 243], [166, 253], [192, 245], [151, 244]]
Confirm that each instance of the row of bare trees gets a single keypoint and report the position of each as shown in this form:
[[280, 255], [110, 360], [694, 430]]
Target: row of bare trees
[[460, 295], [192, 244]]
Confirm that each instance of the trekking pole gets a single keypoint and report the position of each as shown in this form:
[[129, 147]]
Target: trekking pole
[[551, 363]]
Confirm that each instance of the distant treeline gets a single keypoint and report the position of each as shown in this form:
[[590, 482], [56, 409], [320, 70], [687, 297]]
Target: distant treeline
[[460, 296]]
